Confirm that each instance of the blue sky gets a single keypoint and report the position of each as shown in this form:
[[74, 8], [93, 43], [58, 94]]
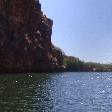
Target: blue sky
[[82, 28]]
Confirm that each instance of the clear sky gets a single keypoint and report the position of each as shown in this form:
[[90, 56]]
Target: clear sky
[[82, 28]]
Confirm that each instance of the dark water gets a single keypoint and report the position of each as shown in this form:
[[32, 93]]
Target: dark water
[[56, 92]]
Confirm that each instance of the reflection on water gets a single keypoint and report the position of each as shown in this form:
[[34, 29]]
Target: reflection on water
[[56, 92]]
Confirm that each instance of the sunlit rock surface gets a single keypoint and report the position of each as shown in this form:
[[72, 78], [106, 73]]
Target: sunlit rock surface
[[25, 38]]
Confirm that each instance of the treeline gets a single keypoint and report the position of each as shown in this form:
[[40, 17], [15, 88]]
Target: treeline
[[75, 64]]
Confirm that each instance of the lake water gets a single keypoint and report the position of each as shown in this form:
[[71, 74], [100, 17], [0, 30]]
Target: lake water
[[56, 92]]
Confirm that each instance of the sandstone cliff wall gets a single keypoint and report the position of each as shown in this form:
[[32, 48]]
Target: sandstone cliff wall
[[25, 38]]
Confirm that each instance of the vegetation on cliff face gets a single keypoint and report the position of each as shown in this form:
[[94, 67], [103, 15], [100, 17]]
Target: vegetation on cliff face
[[75, 64], [25, 38]]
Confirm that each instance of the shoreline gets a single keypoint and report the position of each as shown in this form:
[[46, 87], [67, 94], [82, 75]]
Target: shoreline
[[50, 71]]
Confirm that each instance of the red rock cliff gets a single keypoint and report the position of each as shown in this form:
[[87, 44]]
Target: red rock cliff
[[25, 38]]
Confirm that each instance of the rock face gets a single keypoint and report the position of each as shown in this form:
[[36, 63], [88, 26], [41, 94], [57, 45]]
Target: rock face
[[25, 38]]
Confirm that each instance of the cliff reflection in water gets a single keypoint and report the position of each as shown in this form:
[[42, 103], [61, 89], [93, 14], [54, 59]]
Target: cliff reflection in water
[[25, 93]]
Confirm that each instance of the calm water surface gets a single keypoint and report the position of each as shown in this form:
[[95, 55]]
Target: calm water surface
[[56, 92]]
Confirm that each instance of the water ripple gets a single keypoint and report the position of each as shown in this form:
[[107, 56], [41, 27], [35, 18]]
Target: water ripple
[[56, 92]]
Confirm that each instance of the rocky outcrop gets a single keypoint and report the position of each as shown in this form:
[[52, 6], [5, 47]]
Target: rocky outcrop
[[25, 38]]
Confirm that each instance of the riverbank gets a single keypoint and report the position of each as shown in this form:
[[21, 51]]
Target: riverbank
[[76, 65]]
